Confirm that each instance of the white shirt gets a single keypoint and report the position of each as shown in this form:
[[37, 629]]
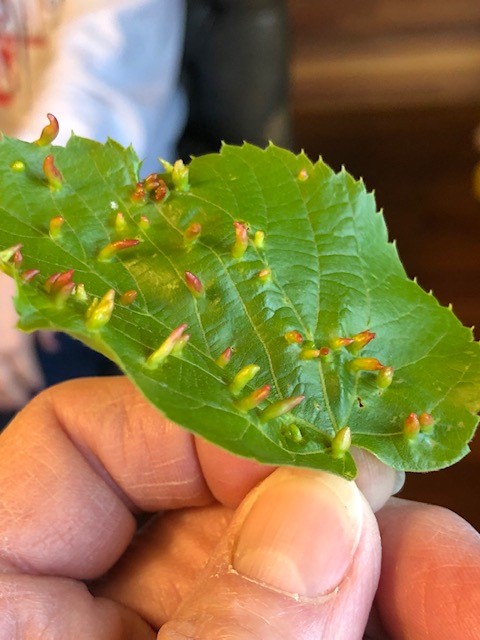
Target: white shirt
[[114, 72]]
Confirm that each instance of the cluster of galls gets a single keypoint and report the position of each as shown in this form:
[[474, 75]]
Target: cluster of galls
[[155, 187], [413, 424], [60, 287], [354, 344], [240, 244]]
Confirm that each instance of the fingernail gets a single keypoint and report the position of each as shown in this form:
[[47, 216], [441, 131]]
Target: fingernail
[[301, 533], [399, 482]]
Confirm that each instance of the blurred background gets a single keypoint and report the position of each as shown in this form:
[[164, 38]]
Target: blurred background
[[391, 89]]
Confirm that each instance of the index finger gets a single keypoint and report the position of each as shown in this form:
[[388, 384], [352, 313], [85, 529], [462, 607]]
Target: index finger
[[78, 462]]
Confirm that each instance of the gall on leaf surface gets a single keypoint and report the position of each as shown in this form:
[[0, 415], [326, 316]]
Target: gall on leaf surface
[[332, 276]]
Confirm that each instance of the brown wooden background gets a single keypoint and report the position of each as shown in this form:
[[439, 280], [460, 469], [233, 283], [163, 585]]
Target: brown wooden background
[[391, 89]]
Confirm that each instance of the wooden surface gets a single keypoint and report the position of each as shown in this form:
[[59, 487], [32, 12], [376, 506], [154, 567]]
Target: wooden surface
[[379, 53], [417, 154]]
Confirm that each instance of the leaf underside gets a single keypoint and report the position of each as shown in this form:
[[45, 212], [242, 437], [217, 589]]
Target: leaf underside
[[326, 270]]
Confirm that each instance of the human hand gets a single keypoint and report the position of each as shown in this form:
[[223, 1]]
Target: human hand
[[20, 373], [300, 558]]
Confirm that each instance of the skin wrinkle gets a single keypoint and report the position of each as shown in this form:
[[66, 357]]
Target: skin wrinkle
[[17, 516], [431, 564], [266, 621], [43, 605], [454, 606], [38, 548], [92, 460], [124, 463], [431, 575], [150, 588], [18, 564], [421, 609], [49, 398]]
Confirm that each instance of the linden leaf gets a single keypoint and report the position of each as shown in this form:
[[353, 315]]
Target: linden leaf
[[252, 296]]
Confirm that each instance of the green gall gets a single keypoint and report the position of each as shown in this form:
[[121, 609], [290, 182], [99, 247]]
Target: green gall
[[385, 377], [340, 342], [280, 407], [341, 442], [426, 422], [259, 239], [360, 340], [159, 356], [80, 293], [292, 432], [241, 240], [100, 311], [30, 274], [179, 344], [309, 354], [51, 173], [192, 234], [18, 166], [180, 176], [194, 285], [112, 249], [411, 426], [365, 364], [265, 275], [253, 399], [167, 166], [7, 254], [128, 297], [120, 222], [49, 132], [242, 378], [144, 223], [293, 337], [224, 358], [55, 227], [138, 195]]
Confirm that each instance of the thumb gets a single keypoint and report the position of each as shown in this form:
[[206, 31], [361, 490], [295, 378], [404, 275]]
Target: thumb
[[300, 560]]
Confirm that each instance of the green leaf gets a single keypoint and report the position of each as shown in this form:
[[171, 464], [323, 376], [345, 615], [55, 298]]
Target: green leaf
[[323, 270]]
